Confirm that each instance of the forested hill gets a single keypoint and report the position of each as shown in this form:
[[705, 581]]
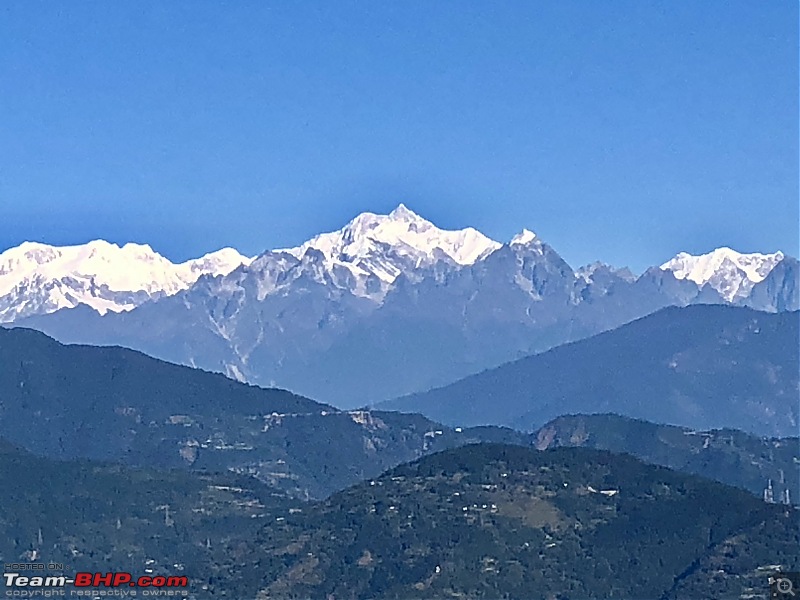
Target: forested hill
[[479, 521], [726, 455], [496, 521], [108, 403]]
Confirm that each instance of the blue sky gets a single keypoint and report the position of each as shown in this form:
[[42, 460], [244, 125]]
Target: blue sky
[[620, 131]]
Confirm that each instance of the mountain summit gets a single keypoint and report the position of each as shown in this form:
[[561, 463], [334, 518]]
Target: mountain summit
[[37, 278], [526, 236], [385, 306], [387, 245], [731, 273]]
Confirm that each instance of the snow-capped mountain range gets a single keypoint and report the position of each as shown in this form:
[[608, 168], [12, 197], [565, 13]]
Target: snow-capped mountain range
[[37, 278], [387, 245], [732, 274], [388, 304]]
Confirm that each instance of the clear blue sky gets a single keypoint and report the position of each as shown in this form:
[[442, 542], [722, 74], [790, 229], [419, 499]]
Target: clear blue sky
[[621, 131]]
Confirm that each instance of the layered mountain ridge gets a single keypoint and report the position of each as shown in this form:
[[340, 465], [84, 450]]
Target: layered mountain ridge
[[386, 246], [114, 404], [391, 304], [702, 367], [495, 521], [37, 278], [480, 521], [480, 513], [732, 274]]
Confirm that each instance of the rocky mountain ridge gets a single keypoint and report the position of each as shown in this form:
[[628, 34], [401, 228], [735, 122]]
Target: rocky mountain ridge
[[391, 304]]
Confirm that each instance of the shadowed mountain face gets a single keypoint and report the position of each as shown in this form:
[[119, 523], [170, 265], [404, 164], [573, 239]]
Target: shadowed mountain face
[[702, 367], [726, 455], [117, 404], [494, 521], [386, 306]]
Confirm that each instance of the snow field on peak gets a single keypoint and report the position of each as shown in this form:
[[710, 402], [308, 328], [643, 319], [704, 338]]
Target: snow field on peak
[[88, 273], [364, 242], [702, 268], [726, 270]]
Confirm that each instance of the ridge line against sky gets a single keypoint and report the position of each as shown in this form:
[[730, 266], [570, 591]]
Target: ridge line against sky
[[522, 232], [623, 132]]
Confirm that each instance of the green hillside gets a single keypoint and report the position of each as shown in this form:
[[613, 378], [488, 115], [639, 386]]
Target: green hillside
[[726, 455], [93, 516], [495, 521], [106, 403]]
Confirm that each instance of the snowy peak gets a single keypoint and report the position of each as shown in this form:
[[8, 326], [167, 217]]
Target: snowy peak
[[523, 238], [590, 272], [221, 262], [387, 245], [367, 258], [403, 213], [37, 278], [702, 268], [731, 273]]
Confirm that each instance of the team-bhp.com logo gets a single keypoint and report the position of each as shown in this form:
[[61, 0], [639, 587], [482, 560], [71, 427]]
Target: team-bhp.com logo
[[94, 584], [118, 579]]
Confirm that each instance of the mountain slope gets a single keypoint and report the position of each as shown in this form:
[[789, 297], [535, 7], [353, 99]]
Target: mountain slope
[[778, 291], [730, 273], [99, 517], [729, 456], [391, 304], [703, 367], [483, 521], [39, 279], [493, 521], [400, 242], [116, 404]]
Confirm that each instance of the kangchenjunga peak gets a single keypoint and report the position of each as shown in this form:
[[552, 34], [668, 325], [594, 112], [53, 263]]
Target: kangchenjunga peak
[[386, 305]]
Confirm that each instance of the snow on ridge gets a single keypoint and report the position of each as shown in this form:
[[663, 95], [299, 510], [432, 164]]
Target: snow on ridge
[[524, 237], [368, 236], [365, 257], [101, 274], [219, 262], [729, 272], [587, 273], [702, 268]]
